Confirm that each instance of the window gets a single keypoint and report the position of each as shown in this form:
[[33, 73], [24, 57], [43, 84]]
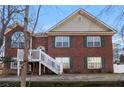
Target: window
[[41, 47], [17, 40], [93, 41], [65, 61], [62, 41], [14, 64], [94, 63]]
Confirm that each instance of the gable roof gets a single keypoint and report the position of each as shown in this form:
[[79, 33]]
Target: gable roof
[[83, 12], [12, 27], [15, 25]]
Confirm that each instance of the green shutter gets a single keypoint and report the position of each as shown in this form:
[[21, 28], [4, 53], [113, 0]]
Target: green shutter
[[71, 64], [102, 41], [103, 62], [53, 42], [85, 41], [85, 62], [70, 41]]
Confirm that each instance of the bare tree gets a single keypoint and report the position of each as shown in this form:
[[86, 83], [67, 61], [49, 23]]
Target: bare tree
[[8, 15], [117, 22], [27, 43], [26, 47]]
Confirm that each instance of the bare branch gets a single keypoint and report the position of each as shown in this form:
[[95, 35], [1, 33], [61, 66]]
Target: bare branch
[[8, 13], [37, 17]]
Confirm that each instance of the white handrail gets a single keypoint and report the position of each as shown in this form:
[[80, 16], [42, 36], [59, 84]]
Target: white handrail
[[43, 58], [52, 62]]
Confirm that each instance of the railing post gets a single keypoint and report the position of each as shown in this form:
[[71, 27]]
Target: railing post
[[39, 68], [17, 54], [44, 71], [39, 54], [61, 68], [30, 52], [48, 63], [18, 68], [18, 63]]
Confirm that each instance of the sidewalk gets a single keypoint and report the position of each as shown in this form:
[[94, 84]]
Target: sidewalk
[[68, 77]]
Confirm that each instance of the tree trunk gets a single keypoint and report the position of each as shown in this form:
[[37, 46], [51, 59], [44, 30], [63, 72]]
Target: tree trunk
[[2, 34], [26, 48]]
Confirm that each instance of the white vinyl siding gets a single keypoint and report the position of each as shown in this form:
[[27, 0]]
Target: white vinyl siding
[[62, 41], [94, 62], [65, 61], [93, 41]]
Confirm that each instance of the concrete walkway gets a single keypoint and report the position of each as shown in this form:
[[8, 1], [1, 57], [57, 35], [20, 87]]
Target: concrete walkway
[[68, 77]]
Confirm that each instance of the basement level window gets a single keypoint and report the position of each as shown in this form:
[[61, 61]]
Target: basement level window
[[65, 61], [14, 64], [94, 62]]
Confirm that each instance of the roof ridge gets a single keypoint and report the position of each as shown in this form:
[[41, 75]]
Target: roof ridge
[[84, 11]]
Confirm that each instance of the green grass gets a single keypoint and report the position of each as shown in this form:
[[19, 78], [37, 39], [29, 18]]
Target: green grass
[[66, 84]]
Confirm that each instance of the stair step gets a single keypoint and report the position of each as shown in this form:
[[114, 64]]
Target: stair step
[[43, 58]]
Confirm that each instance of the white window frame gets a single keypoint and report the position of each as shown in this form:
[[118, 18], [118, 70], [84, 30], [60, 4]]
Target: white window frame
[[61, 60], [94, 62], [93, 40], [12, 66], [62, 40]]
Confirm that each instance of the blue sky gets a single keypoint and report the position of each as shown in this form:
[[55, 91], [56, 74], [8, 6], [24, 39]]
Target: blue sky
[[50, 15]]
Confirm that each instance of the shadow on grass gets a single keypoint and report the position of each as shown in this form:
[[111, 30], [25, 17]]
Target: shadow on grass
[[66, 84]]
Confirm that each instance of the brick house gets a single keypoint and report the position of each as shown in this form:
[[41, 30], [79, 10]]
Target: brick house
[[80, 42]]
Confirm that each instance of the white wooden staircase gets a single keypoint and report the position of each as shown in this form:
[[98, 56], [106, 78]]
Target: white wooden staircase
[[42, 58]]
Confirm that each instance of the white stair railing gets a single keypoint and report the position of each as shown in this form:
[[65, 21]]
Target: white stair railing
[[51, 63], [43, 58]]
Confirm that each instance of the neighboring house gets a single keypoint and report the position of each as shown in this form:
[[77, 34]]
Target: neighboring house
[[117, 51], [82, 43]]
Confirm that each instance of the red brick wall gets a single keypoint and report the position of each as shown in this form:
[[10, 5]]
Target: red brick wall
[[39, 41], [78, 51], [36, 41], [8, 50]]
